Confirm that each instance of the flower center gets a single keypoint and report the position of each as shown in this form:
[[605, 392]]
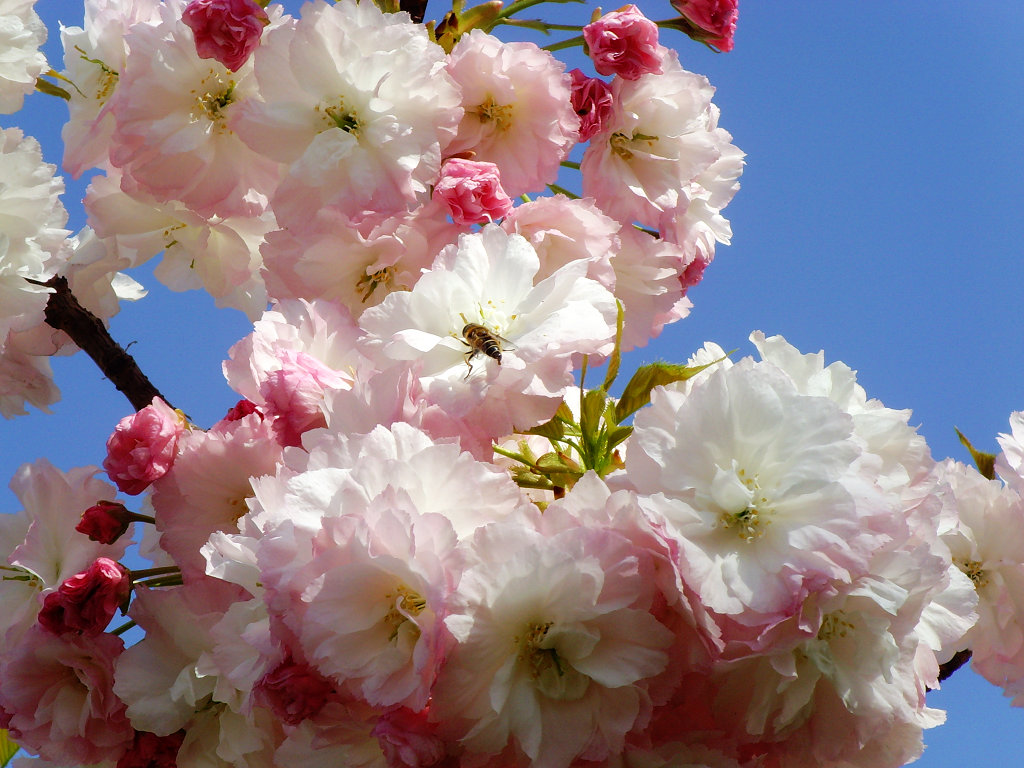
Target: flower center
[[973, 570], [745, 508], [623, 145], [368, 283], [339, 115], [551, 674], [834, 625], [212, 97], [498, 114], [406, 605], [107, 80]]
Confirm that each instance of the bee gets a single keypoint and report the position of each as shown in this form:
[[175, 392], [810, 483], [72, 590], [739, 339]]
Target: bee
[[480, 340]]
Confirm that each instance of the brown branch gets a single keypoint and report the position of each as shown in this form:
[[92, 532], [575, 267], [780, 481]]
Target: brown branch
[[64, 313], [959, 659]]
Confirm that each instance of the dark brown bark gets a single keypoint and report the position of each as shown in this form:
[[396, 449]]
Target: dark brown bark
[[64, 313], [959, 659]]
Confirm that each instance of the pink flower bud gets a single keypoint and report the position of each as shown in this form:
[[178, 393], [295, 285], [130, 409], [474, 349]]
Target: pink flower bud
[[151, 751], [624, 43], [143, 447], [294, 691], [240, 410], [86, 602], [105, 522], [712, 22], [472, 191], [226, 30], [592, 100]]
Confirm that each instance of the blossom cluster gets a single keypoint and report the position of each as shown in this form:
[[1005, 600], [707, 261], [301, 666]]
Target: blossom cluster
[[414, 541]]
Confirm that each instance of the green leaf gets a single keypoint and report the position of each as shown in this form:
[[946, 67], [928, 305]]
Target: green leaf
[[985, 462], [613, 362], [616, 435], [638, 391], [8, 748], [556, 462], [554, 429]]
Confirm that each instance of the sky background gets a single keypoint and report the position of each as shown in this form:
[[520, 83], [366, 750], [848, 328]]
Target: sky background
[[879, 219]]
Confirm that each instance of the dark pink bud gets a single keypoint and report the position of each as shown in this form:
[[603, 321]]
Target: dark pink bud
[[240, 410], [712, 22], [143, 447], [472, 191], [151, 751], [86, 602], [592, 100], [105, 522], [294, 691], [624, 43], [226, 30]]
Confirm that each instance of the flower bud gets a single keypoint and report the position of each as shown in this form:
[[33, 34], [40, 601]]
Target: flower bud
[[624, 43], [86, 602], [143, 447], [226, 30], [712, 22], [105, 522], [472, 191], [592, 100]]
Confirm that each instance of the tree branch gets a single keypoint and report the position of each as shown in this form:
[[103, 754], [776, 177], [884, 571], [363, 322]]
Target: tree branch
[[64, 313]]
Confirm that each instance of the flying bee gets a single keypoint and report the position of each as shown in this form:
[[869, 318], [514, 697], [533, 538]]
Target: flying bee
[[480, 340]]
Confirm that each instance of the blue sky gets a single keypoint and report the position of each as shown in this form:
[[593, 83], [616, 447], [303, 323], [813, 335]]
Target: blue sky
[[878, 220]]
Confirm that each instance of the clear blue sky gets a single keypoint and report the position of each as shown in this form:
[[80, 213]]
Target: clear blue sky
[[879, 219]]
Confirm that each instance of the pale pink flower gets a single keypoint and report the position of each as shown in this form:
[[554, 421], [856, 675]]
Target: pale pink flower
[[173, 138], [22, 33], [355, 262], [624, 43], [297, 353], [86, 602], [662, 136], [488, 280], [59, 695], [226, 30], [94, 57], [650, 283], [472, 192], [33, 220], [157, 677], [25, 379], [220, 255], [592, 100], [207, 489], [1010, 461], [143, 446], [748, 475], [358, 106], [709, 21], [564, 230], [518, 110], [555, 646]]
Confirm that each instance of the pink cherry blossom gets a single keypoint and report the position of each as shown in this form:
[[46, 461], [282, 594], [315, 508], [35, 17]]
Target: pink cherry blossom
[[472, 191], [86, 602], [624, 43], [710, 21], [592, 101], [518, 111], [105, 522], [408, 739], [226, 30], [294, 394], [143, 446], [58, 691]]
